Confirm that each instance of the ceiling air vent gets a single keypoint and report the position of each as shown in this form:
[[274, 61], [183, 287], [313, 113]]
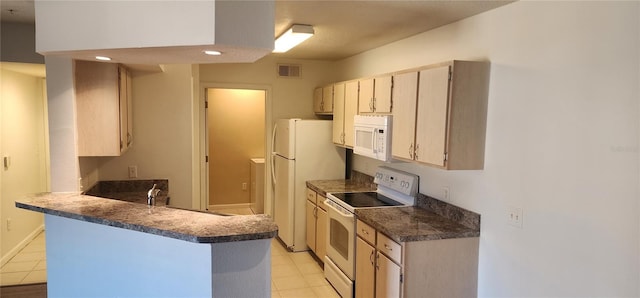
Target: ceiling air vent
[[289, 70]]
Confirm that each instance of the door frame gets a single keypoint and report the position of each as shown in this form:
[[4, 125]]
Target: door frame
[[203, 143]]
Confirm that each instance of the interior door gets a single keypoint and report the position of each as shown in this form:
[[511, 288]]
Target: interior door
[[283, 198]]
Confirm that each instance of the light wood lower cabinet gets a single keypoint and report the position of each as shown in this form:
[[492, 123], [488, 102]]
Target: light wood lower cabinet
[[316, 224], [434, 268]]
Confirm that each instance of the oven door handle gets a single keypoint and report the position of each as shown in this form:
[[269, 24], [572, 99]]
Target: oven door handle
[[330, 203]]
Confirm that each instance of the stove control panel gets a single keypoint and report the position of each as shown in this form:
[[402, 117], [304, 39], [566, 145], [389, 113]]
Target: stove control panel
[[400, 181]]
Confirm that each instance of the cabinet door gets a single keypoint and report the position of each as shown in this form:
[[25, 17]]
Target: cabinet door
[[321, 230], [125, 108], [387, 277], [433, 112], [317, 100], [338, 113], [311, 225], [365, 96], [382, 94], [327, 100], [405, 98], [350, 110], [365, 269], [97, 108]]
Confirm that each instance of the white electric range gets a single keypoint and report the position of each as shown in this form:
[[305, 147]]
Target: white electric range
[[395, 188]]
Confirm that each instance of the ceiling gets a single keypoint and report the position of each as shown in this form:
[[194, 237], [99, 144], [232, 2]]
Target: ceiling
[[342, 28]]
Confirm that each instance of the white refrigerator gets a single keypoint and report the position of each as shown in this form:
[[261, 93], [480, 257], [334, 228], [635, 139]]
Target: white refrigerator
[[302, 150]]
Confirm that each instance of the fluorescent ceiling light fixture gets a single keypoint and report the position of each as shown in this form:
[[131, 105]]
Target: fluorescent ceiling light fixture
[[212, 53], [292, 37], [103, 58]]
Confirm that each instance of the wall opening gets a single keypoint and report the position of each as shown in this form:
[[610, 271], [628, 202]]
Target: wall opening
[[236, 135]]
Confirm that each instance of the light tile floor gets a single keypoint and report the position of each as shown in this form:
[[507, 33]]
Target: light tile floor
[[28, 266], [292, 274]]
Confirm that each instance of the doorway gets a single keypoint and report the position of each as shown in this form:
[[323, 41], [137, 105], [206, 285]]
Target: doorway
[[236, 139]]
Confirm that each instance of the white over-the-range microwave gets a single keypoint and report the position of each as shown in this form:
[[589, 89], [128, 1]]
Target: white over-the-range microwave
[[372, 136]]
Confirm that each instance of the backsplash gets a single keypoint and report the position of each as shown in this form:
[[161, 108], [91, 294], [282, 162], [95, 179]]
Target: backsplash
[[460, 215], [120, 186], [361, 178]]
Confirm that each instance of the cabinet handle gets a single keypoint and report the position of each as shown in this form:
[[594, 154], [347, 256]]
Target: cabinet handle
[[322, 106], [388, 247], [374, 104], [415, 154], [365, 231], [378, 261], [371, 257], [371, 104], [411, 153], [129, 139], [315, 212]]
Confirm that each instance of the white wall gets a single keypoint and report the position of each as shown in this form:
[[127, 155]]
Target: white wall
[[562, 143], [162, 133], [23, 131]]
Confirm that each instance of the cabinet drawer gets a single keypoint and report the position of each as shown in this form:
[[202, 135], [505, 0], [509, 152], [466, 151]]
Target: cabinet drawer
[[390, 248], [366, 232], [321, 203], [311, 195]]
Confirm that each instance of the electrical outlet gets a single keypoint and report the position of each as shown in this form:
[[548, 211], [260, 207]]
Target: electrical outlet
[[8, 224], [133, 171], [446, 193], [514, 216], [244, 186]]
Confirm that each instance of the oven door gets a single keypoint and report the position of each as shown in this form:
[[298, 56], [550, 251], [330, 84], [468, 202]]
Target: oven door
[[341, 238]]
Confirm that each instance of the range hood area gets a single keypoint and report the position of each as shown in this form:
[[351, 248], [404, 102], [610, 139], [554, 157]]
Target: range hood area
[[156, 32]]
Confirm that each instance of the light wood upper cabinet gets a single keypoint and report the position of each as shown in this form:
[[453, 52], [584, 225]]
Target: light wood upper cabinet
[[345, 100], [103, 108], [338, 113], [323, 100], [375, 95], [449, 115], [405, 96]]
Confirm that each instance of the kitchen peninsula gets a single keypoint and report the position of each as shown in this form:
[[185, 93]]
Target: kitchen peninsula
[[106, 247]]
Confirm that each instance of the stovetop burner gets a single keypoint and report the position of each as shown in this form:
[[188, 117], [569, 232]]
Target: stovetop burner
[[365, 199]]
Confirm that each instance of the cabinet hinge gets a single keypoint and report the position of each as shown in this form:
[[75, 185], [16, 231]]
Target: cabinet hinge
[[206, 158], [206, 104], [401, 277], [450, 74], [446, 155]]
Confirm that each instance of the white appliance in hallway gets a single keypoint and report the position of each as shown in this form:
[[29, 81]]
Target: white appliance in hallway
[[256, 170], [302, 150]]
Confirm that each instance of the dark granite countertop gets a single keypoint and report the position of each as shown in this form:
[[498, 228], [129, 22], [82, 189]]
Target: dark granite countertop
[[340, 185], [404, 224], [187, 225], [430, 219]]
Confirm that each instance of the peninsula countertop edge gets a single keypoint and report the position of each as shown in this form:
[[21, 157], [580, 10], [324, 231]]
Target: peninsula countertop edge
[[187, 225]]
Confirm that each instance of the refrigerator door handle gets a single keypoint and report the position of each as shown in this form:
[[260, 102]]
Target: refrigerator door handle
[[273, 154]]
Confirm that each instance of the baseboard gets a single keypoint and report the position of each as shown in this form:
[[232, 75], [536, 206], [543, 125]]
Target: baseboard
[[229, 206], [14, 251]]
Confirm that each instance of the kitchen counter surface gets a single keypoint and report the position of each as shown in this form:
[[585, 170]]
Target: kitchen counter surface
[[430, 219], [187, 225], [405, 224], [340, 185]]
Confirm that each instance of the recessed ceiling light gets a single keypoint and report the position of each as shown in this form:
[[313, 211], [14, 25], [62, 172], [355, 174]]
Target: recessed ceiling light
[[103, 58], [212, 53]]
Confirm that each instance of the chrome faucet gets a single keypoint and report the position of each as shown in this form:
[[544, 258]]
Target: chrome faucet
[[152, 194]]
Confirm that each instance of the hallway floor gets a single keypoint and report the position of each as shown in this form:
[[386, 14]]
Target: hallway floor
[[28, 266]]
